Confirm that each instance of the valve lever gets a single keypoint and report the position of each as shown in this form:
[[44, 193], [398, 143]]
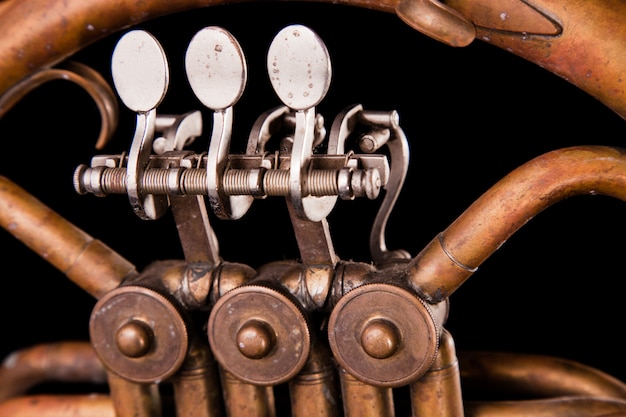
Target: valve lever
[[141, 77], [178, 131], [376, 129], [299, 68], [217, 72]]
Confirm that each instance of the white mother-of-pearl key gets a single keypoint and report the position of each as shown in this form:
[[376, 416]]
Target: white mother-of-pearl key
[[140, 71], [299, 69], [217, 72], [141, 77]]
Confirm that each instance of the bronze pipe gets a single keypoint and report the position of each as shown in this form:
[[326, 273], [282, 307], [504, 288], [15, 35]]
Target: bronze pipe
[[87, 262], [535, 376], [580, 41], [364, 400], [552, 407], [315, 391], [45, 32], [196, 384], [438, 393], [88, 79], [453, 256], [132, 399], [62, 361], [91, 405], [246, 400]]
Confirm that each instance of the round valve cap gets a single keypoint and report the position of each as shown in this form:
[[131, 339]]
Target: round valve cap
[[138, 334], [259, 335], [383, 335], [216, 68], [140, 71], [299, 67]]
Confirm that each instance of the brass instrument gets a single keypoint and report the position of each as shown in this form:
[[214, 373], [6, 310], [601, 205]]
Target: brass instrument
[[310, 185]]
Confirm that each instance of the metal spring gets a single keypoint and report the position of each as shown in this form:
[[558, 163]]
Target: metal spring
[[158, 181]]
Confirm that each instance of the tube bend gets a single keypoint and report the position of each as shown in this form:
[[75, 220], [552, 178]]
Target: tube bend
[[451, 258], [581, 41]]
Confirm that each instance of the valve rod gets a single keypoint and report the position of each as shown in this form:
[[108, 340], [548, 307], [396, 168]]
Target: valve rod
[[347, 183]]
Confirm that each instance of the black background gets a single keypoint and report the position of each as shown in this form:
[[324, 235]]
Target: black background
[[471, 115]]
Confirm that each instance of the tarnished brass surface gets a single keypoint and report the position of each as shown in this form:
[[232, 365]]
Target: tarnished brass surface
[[319, 335], [440, 268], [362, 399], [62, 361], [89, 263], [47, 405], [581, 42], [443, 376], [577, 40], [535, 376]]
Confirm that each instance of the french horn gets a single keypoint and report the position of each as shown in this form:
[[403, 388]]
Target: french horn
[[347, 208]]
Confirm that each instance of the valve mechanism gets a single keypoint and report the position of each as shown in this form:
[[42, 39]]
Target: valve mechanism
[[158, 167]]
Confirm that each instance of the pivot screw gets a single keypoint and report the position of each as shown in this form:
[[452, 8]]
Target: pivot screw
[[255, 339], [380, 339], [134, 339]]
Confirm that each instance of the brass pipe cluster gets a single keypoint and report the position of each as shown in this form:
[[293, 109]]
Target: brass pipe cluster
[[349, 297], [342, 337]]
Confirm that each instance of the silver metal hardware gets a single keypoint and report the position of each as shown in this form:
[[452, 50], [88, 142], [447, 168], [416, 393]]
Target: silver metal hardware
[[141, 77], [217, 72], [281, 156]]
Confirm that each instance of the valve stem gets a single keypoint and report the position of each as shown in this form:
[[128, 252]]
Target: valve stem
[[346, 183]]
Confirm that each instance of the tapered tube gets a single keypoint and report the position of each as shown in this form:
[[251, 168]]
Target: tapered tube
[[553, 407], [132, 399], [454, 255], [246, 400], [87, 262], [438, 393], [364, 400], [197, 392], [92, 405], [63, 362], [534, 376], [197, 395], [315, 390], [579, 40]]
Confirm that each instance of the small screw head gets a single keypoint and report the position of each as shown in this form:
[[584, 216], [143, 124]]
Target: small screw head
[[255, 339], [134, 339]]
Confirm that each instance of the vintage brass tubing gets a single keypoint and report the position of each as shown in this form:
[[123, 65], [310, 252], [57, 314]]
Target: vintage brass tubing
[[325, 301], [352, 281], [87, 262], [455, 254], [62, 361], [49, 405], [563, 40]]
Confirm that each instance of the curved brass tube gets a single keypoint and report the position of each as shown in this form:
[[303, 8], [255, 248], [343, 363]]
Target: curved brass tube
[[63, 361], [46, 32], [535, 376], [443, 376], [91, 405], [553, 407], [453, 256], [578, 40], [87, 262], [133, 399], [581, 41], [90, 80]]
